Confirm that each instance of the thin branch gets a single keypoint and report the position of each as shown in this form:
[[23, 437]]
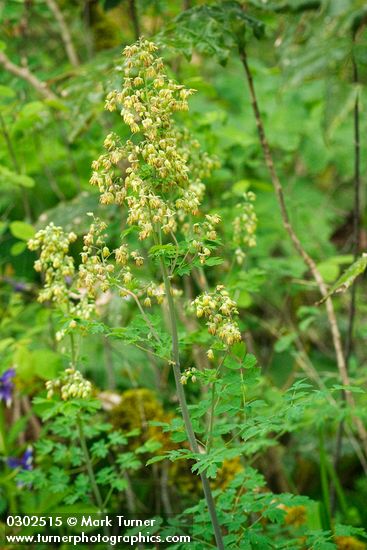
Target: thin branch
[[309, 262], [25, 74], [134, 18], [64, 31], [89, 465], [140, 307], [356, 212], [356, 237]]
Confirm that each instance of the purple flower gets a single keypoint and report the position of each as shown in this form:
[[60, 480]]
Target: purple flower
[[24, 462], [7, 386], [68, 280]]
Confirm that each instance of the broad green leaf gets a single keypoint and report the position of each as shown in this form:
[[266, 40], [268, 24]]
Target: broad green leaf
[[156, 459], [285, 342], [5, 343], [8, 176], [241, 186], [329, 270], [18, 248], [22, 230], [6, 91], [46, 363], [244, 299], [348, 277]]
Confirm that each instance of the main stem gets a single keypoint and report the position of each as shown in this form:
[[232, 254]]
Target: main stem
[[309, 262], [88, 463], [184, 409]]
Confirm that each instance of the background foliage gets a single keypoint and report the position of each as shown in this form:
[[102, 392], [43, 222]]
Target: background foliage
[[309, 63]]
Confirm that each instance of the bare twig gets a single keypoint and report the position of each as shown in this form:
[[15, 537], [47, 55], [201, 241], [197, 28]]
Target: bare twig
[[25, 74], [356, 236], [309, 262], [64, 31], [356, 212], [134, 18]]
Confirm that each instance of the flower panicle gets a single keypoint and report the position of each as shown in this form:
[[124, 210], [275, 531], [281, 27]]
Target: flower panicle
[[157, 175], [70, 385], [58, 268], [244, 226], [54, 262], [221, 312]]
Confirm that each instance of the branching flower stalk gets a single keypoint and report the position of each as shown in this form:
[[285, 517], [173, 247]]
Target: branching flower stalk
[[158, 189], [309, 262], [163, 190], [69, 386], [58, 268]]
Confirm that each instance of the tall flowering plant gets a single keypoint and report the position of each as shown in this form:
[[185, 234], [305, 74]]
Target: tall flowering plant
[[162, 189]]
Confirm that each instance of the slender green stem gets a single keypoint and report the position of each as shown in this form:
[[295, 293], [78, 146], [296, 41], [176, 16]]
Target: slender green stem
[[92, 478], [213, 405], [184, 408], [145, 317], [88, 463], [338, 488], [324, 481], [73, 350], [211, 421], [106, 500]]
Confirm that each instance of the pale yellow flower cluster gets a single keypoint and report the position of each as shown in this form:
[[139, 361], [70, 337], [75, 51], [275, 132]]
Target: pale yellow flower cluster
[[59, 272], [155, 291], [97, 272], [94, 271], [244, 226], [162, 183], [220, 310], [54, 262], [71, 385], [205, 231], [188, 374]]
